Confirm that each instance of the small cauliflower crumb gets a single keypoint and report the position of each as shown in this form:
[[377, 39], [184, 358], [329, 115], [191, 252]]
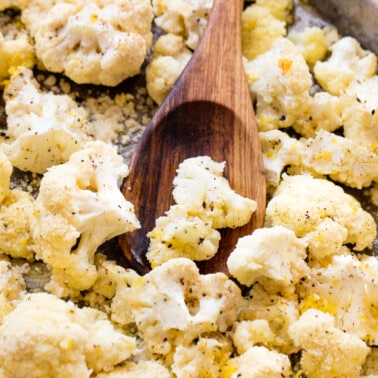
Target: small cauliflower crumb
[[327, 352]]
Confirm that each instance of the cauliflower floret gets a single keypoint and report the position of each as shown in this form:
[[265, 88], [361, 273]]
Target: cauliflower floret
[[96, 42], [44, 128], [280, 9], [274, 313], [48, 337], [199, 184], [5, 176], [343, 159], [347, 288], [279, 151], [169, 59], [260, 362], [327, 352], [325, 113], [15, 50], [313, 42], [12, 286], [142, 369], [279, 81], [16, 216], [302, 203], [174, 304], [179, 234], [206, 358], [274, 257], [360, 115], [348, 62], [205, 202], [79, 207], [259, 30], [186, 18]]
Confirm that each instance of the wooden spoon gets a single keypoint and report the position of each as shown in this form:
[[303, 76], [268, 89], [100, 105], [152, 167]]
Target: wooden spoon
[[208, 112]]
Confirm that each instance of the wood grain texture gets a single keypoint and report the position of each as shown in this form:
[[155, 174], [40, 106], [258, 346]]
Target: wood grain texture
[[208, 112]]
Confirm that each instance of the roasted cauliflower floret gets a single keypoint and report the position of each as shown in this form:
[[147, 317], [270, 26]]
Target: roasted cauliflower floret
[[186, 18], [348, 62], [44, 128], [274, 257], [205, 202], [16, 49], [174, 304], [266, 315], [279, 81], [346, 288], [302, 203], [79, 207], [280, 9], [327, 352], [16, 217], [96, 42], [360, 113], [169, 59], [313, 42], [48, 337], [343, 159], [259, 362], [204, 358], [279, 151], [260, 29]]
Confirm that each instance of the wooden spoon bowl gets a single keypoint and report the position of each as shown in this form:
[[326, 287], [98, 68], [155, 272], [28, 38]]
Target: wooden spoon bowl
[[208, 112]]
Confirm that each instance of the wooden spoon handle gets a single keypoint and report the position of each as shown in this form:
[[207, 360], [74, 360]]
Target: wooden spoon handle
[[217, 61]]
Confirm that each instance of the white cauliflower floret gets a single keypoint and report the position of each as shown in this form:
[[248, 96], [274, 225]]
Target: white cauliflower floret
[[324, 113], [360, 115], [141, 369], [302, 203], [205, 358], [274, 257], [313, 42], [169, 59], [347, 288], [44, 128], [16, 216], [260, 29], [205, 202], [12, 286], [279, 81], [348, 62], [15, 50], [79, 207], [186, 18], [273, 313], [199, 184], [179, 234], [260, 362], [327, 352], [48, 337], [174, 304], [344, 160], [5, 176], [279, 150], [96, 42]]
